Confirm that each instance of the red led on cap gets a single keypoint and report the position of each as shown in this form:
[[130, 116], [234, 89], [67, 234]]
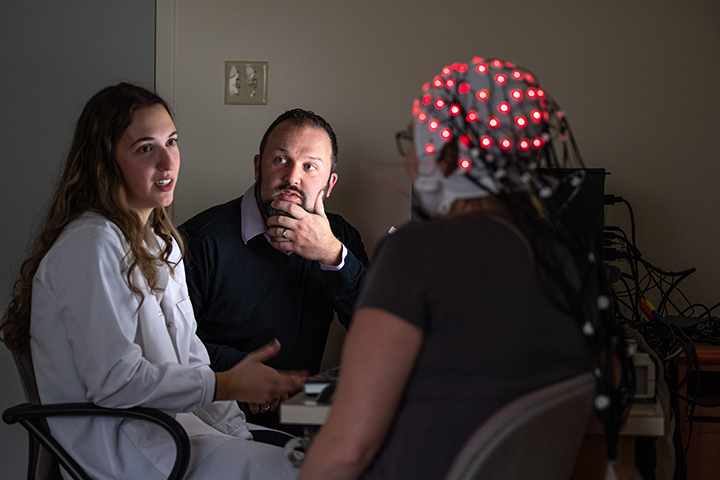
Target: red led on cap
[[463, 88], [422, 117], [524, 144], [429, 149], [493, 123], [504, 107], [529, 78], [454, 109], [426, 100], [531, 93], [464, 164], [516, 74], [501, 79], [538, 142], [521, 122], [482, 68], [446, 71], [465, 140], [439, 103], [445, 134], [416, 109], [437, 82], [449, 83], [482, 95], [477, 59], [472, 116], [462, 68], [497, 63], [433, 125], [540, 93], [536, 115], [485, 141], [505, 144], [517, 94], [426, 86]]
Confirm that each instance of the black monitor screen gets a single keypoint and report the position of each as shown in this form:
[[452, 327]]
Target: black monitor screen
[[581, 216]]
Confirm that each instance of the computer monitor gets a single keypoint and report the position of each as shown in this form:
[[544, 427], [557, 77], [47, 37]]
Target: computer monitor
[[582, 217]]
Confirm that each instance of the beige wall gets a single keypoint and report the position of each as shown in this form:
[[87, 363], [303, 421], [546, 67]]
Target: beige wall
[[638, 81]]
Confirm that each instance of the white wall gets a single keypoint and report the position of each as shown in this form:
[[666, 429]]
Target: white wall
[[638, 82], [53, 57]]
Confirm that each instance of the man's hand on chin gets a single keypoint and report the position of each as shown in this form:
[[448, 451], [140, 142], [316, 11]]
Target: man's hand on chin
[[307, 234]]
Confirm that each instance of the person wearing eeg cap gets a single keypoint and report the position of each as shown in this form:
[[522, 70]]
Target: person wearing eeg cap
[[484, 303], [496, 117]]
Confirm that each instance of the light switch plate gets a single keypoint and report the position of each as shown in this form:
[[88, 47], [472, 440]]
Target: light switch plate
[[246, 83]]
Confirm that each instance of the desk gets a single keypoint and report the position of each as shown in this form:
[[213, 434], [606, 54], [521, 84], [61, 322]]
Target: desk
[[302, 409], [644, 419], [703, 456]]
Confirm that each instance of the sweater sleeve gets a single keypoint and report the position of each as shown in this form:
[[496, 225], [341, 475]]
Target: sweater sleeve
[[344, 285]]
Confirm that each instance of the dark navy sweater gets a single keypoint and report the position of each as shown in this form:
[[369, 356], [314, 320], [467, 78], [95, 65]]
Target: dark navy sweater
[[246, 295]]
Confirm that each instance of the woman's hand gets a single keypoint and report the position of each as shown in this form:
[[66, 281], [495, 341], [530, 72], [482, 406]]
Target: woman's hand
[[257, 384]]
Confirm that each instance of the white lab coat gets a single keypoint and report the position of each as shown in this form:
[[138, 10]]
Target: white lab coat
[[92, 340]]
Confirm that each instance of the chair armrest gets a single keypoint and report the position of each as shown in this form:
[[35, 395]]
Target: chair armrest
[[30, 417]]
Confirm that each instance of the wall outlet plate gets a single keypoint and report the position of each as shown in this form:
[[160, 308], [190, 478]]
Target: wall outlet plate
[[246, 83]]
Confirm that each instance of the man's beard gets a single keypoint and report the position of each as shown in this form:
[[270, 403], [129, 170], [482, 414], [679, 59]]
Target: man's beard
[[269, 211], [264, 203]]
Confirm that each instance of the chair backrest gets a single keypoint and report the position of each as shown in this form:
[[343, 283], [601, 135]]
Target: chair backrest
[[24, 364], [45, 453], [536, 436], [41, 464]]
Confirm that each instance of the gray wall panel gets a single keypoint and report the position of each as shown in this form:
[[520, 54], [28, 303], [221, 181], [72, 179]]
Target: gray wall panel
[[53, 57]]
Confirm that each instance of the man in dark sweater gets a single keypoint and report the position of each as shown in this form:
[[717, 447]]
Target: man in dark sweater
[[273, 264]]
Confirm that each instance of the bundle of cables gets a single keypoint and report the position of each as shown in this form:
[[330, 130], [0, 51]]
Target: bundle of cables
[[671, 329]]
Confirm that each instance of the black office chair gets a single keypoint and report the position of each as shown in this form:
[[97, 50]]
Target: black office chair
[[45, 453], [536, 436]]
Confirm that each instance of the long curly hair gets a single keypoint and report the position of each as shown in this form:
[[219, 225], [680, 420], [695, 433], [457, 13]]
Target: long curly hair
[[92, 181]]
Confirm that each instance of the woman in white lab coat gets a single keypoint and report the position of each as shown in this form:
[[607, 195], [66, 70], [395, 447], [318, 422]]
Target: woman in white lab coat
[[103, 306]]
